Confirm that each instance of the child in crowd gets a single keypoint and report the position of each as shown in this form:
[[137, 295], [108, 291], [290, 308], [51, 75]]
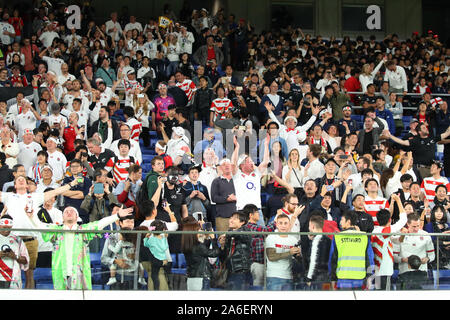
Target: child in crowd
[[158, 245], [124, 249]]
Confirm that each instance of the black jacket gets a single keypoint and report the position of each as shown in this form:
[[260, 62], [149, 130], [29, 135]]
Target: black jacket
[[365, 220], [202, 100], [412, 280], [319, 256], [238, 250], [115, 128], [197, 262]]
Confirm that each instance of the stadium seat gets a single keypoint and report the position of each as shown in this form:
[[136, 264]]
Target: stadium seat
[[44, 286], [181, 261], [357, 117], [444, 277], [43, 275], [97, 287], [95, 259], [406, 122], [174, 260]]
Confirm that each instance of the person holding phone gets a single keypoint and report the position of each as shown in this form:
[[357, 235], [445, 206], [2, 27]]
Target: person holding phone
[[13, 256], [197, 249], [197, 196], [98, 201], [76, 196]]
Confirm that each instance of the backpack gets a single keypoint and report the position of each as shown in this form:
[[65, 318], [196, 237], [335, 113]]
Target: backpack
[[142, 193]]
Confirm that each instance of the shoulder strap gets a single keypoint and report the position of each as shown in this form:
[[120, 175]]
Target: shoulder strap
[[107, 73]]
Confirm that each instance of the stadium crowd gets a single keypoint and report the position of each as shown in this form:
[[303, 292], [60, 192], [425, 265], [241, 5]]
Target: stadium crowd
[[298, 133]]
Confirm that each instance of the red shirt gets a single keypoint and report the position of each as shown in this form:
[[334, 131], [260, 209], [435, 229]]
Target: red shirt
[[211, 53], [69, 137], [353, 85], [19, 79]]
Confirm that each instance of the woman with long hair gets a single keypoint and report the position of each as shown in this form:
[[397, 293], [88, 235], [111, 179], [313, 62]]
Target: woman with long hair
[[396, 107], [293, 172], [197, 249], [386, 175], [439, 224], [142, 108], [368, 73], [277, 162]]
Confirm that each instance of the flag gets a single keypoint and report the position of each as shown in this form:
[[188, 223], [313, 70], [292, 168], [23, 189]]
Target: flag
[[164, 22]]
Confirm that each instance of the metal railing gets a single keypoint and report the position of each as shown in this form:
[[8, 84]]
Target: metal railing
[[436, 271]]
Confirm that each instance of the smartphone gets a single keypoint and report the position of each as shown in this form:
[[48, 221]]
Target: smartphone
[[80, 179], [99, 188], [343, 156], [198, 216], [330, 188], [207, 226]]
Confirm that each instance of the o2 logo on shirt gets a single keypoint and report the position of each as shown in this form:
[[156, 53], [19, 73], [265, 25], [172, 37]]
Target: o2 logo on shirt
[[250, 186]]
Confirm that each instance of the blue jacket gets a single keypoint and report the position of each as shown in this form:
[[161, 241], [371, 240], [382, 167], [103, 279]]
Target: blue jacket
[[278, 108], [387, 115]]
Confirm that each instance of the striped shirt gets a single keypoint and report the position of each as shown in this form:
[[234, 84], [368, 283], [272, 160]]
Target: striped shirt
[[119, 166], [383, 248], [220, 107], [429, 186], [188, 87], [136, 128], [372, 206]]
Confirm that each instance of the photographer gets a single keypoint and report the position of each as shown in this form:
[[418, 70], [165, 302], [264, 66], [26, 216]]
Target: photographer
[[197, 197], [198, 248], [97, 202], [127, 190], [171, 193], [75, 196], [81, 153]]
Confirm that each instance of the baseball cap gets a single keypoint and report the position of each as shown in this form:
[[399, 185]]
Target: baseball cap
[[414, 120], [331, 160], [179, 131], [131, 71], [197, 167], [241, 159]]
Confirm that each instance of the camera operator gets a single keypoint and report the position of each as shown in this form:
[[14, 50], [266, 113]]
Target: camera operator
[[81, 153]]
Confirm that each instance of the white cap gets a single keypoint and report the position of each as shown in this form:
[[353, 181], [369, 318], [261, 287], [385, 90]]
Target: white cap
[[241, 159], [179, 131]]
